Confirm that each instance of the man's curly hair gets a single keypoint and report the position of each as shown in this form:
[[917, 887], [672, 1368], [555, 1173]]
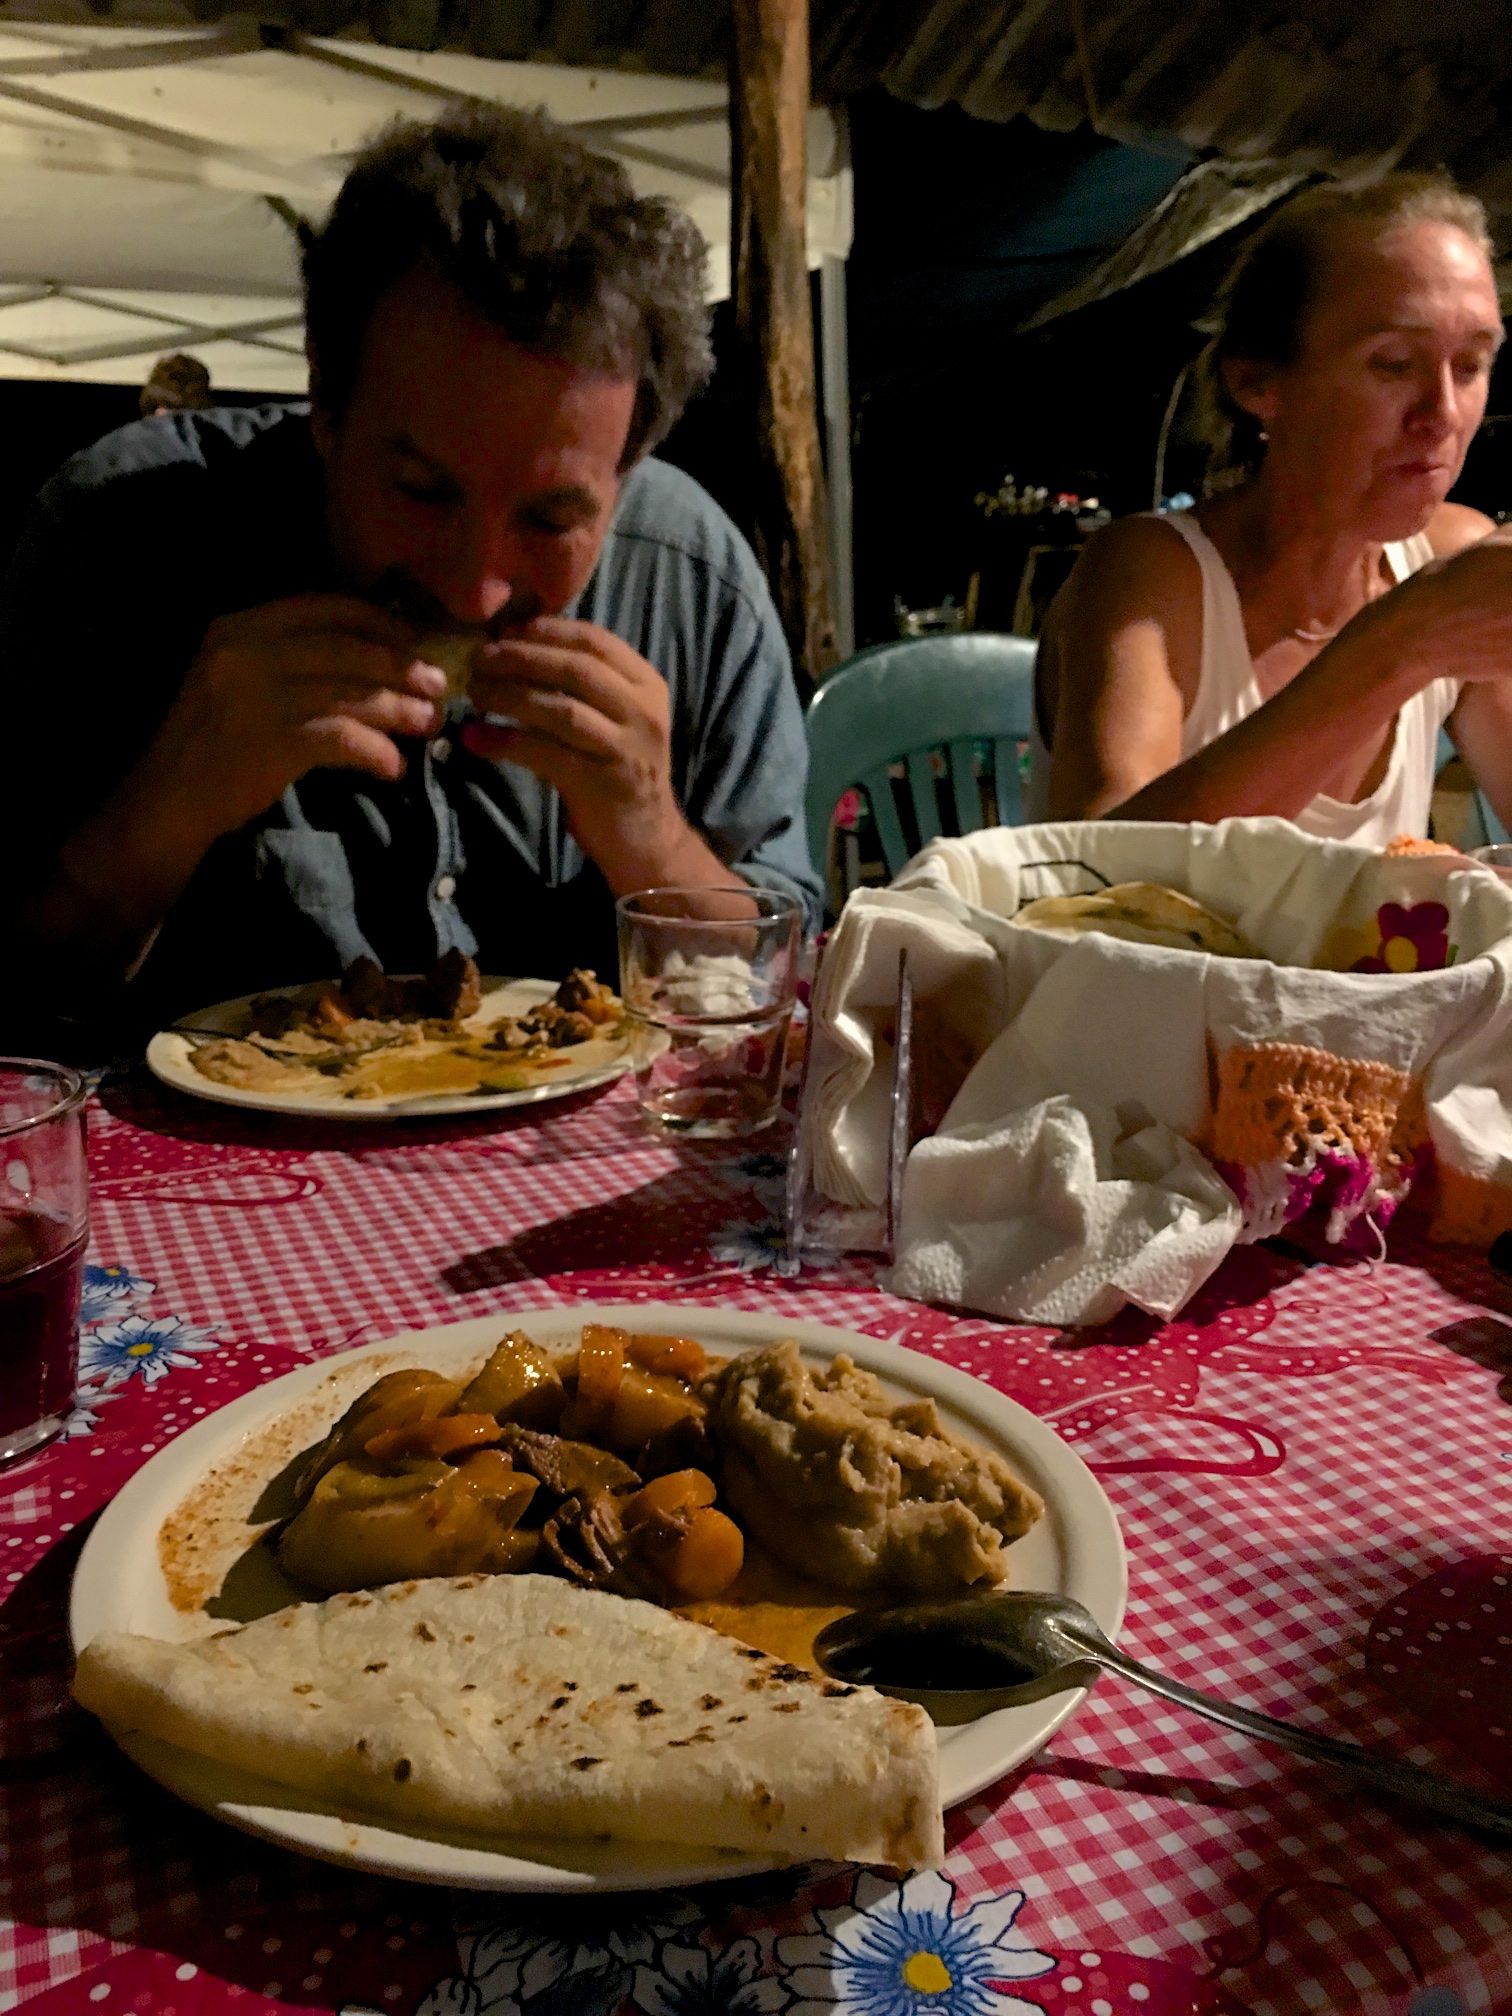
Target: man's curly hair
[[543, 237]]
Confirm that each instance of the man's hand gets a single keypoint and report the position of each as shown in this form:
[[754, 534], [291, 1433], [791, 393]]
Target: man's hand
[[292, 686], [592, 718]]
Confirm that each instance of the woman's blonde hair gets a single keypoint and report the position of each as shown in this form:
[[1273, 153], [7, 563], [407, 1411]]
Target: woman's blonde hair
[[1263, 302]]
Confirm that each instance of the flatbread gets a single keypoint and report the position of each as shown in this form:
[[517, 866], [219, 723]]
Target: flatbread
[[1147, 913], [452, 653], [521, 1704]]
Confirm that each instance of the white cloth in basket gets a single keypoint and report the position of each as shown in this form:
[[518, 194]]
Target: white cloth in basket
[[1354, 1084]]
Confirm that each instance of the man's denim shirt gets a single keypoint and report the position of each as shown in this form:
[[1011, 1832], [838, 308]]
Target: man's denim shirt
[[141, 541]]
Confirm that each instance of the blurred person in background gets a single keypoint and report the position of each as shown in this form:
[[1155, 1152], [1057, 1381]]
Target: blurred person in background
[[178, 384]]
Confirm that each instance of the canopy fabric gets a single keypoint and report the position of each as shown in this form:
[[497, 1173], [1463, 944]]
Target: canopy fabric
[[154, 175], [1210, 199], [1269, 93], [1326, 84], [1314, 84], [964, 229]]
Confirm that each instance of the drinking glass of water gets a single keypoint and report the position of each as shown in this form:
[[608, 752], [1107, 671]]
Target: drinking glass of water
[[44, 1221], [709, 978]]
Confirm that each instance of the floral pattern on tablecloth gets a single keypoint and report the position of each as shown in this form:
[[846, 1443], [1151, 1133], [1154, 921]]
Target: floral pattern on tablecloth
[[1311, 1470], [860, 1944], [141, 1347], [912, 1948], [118, 1344], [109, 1292]]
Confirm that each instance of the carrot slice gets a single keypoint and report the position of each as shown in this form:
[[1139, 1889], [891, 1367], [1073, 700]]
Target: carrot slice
[[703, 1561], [674, 1357], [601, 1367], [444, 1436], [333, 1012], [678, 1491]]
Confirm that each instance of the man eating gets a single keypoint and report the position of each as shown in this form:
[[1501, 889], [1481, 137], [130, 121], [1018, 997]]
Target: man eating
[[230, 762]]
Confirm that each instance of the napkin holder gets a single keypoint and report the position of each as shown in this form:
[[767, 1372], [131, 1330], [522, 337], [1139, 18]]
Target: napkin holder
[[816, 1225]]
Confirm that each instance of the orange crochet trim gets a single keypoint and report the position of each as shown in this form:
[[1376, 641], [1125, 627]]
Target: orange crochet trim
[[1287, 1102], [1407, 844], [1468, 1210]]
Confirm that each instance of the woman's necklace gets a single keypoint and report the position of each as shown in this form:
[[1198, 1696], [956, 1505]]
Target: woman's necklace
[[1315, 633]]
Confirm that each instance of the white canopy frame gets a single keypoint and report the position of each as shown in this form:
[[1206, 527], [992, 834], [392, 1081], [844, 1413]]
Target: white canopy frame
[[153, 177]]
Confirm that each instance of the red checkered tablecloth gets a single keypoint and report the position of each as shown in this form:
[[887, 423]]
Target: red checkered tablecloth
[[1313, 1472]]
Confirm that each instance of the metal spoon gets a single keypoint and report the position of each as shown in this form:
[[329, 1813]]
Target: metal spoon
[[1019, 1646]]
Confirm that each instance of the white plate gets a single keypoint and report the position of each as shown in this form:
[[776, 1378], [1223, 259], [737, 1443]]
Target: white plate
[[170, 1056], [119, 1585]]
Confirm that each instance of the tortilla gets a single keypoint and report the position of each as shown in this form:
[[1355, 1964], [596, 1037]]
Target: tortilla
[[1146, 913], [523, 1704], [452, 652]]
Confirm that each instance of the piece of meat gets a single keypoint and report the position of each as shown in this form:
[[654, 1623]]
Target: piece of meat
[[567, 1469], [508, 1033], [578, 1010], [450, 990], [559, 1026], [572, 1029], [583, 993], [454, 985], [274, 1015], [585, 1540], [368, 991]]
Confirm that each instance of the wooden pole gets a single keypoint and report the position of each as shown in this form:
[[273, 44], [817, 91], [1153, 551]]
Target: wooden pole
[[769, 106]]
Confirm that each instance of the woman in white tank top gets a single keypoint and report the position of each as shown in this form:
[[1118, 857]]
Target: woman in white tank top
[[1257, 655]]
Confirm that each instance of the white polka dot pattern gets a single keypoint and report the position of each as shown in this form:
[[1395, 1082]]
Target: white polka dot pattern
[[1301, 1465]]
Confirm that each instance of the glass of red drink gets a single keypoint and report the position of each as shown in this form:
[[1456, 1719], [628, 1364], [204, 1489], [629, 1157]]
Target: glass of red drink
[[44, 1223]]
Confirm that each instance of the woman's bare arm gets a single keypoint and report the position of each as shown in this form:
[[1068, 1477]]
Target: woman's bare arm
[[1125, 652], [1481, 723], [1119, 658]]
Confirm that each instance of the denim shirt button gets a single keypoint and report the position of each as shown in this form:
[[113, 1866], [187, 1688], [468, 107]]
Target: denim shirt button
[[446, 888], [440, 749]]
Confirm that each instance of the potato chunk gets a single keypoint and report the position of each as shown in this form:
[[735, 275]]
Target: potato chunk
[[517, 1383], [397, 1400], [368, 1524]]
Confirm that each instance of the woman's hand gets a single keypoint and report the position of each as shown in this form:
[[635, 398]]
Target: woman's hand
[[1450, 620]]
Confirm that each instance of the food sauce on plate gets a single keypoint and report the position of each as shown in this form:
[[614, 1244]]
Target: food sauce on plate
[[773, 1609]]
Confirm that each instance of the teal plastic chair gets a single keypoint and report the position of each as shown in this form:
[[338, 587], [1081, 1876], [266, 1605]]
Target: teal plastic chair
[[905, 704], [1496, 834]]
